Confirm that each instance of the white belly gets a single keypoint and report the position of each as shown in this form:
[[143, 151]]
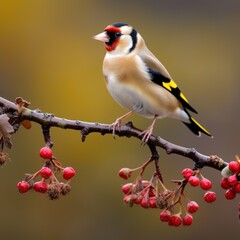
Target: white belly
[[132, 100]]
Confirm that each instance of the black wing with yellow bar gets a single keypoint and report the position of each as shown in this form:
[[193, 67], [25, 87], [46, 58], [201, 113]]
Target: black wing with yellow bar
[[171, 86]]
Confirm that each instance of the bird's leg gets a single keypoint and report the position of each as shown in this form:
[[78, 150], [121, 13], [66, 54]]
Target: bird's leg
[[148, 132], [117, 124]]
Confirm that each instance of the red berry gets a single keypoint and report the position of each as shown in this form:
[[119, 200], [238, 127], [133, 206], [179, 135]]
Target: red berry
[[127, 199], [125, 173], [236, 188], [136, 198], [45, 153], [144, 192], [23, 187], [151, 192], [46, 172], [145, 183], [234, 166], [144, 203], [152, 202], [232, 180], [205, 184], [192, 207], [165, 216], [230, 194], [127, 188], [187, 220], [224, 183], [187, 173], [175, 220], [194, 181], [40, 187], [210, 197], [148, 193], [68, 173]]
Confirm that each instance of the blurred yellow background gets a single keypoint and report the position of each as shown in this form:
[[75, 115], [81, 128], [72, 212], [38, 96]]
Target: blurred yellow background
[[48, 57]]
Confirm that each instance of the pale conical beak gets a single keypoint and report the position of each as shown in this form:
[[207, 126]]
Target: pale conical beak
[[103, 37]]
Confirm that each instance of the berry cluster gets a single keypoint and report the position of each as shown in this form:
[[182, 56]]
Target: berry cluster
[[230, 181], [48, 183], [195, 178], [177, 219], [153, 194], [176, 207]]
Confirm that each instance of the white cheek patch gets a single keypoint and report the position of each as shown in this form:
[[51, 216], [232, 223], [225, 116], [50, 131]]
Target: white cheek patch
[[126, 30], [125, 44]]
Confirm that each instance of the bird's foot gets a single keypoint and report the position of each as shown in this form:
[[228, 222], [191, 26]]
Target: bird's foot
[[146, 134], [116, 126]]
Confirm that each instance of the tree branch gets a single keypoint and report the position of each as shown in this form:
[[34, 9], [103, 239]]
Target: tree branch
[[47, 121]]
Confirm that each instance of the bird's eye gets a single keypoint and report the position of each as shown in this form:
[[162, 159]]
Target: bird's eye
[[117, 34]]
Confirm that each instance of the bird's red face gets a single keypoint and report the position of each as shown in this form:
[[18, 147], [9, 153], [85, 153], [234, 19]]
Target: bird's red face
[[110, 36]]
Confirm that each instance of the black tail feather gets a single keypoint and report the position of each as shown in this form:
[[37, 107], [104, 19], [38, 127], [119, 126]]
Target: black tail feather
[[196, 128]]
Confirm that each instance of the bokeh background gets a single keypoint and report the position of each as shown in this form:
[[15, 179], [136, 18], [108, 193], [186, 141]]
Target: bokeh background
[[48, 57]]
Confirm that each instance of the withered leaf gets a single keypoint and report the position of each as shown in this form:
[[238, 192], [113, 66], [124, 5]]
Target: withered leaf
[[27, 124], [21, 103], [5, 130], [3, 158]]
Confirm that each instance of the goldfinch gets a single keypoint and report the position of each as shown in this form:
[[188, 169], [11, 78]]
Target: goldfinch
[[139, 82]]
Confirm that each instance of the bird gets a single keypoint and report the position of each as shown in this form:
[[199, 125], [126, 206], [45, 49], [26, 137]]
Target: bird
[[139, 82]]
